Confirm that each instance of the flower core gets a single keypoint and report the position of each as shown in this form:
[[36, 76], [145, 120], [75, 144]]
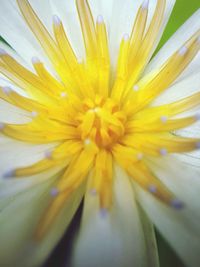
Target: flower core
[[102, 121]]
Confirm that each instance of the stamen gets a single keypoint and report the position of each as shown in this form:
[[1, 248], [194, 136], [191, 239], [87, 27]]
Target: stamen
[[48, 154], [152, 189], [163, 119], [100, 19], [136, 87], [198, 145], [2, 125], [145, 4], [197, 116], [9, 174], [34, 114], [87, 141], [54, 192], [177, 204], [140, 156], [7, 90], [63, 94], [2, 52], [104, 213], [93, 192], [56, 20], [163, 151], [126, 37], [35, 60], [182, 51]]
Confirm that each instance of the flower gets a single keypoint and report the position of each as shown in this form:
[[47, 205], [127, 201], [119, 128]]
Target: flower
[[113, 127]]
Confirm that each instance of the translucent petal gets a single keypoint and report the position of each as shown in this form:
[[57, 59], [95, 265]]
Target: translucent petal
[[179, 227], [114, 237], [18, 242]]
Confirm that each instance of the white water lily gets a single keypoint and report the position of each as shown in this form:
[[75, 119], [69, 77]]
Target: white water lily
[[104, 123]]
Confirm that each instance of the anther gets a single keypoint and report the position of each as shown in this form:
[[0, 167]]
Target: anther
[[198, 145], [87, 141], [63, 94], [48, 154], [99, 19], [35, 60], [93, 192], [2, 125], [152, 188], [197, 116], [177, 204], [182, 51], [126, 37], [34, 114], [140, 156], [103, 212], [145, 4], [80, 61], [3, 52], [163, 119], [95, 110], [7, 90], [9, 174], [54, 192], [163, 151], [136, 87], [56, 20]]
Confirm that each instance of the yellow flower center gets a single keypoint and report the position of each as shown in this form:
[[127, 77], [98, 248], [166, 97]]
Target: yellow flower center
[[101, 121], [98, 116]]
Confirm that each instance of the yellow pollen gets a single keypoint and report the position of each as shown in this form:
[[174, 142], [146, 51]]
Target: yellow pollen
[[97, 117]]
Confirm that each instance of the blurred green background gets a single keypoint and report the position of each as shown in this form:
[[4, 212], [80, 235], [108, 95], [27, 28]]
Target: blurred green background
[[182, 11]]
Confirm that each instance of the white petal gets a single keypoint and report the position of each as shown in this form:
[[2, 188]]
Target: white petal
[[191, 26], [19, 154], [16, 32], [13, 53], [191, 158], [186, 87], [179, 227], [23, 212], [114, 238], [12, 114]]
